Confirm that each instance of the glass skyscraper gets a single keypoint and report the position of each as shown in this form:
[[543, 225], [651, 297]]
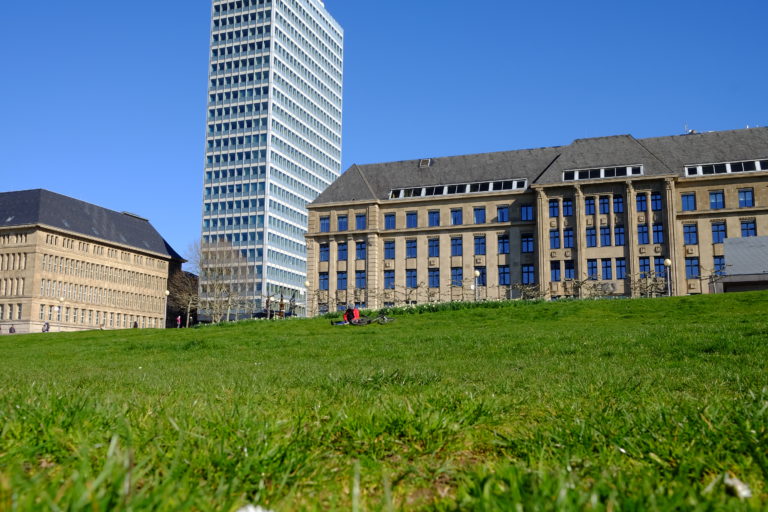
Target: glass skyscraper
[[273, 140]]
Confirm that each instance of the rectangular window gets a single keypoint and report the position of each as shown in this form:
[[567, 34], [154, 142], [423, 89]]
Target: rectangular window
[[343, 222], [457, 218], [618, 204], [360, 280], [718, 232], [591, 237], [554, 238], [325, 224], [410, 278], [689, 202], [434, 247], [434, 218], [502, 214], [360, 250], [690, 234], [529, 274], [410, 248], [658, 266], [719, 264], [554, 208], [607, 268], [526, 243], [605, 205], [692, 268], [568, 238], [411, 220], [618, 236], [748, 228], [389, 279], [656, 201], [361, 221], [457, 276], [482, 279], [567, 207], [503, 244], [341, 280], [746, 198], [645, 266], [457, 246], [642, 234], [479, 245], [480, 215], [554, 271], [325, 252], [389, 249], [526, 212], [605, 236], [642, 202], [658, 233], [389, 221], [434, 278], [621, 268], [341, 251], [570, 270], [323, 281], [589, 205], [592, 270], [504, 276], [716, 200]]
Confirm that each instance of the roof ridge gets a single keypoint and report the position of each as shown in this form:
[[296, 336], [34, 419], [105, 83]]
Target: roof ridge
[[365, 180], [662, 162]]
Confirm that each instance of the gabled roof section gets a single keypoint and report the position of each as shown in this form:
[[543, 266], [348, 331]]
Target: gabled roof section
[[710, 147], [375, 181], [42, 207]]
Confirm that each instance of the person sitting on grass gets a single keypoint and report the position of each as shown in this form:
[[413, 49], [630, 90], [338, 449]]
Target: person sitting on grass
[[347, 317]]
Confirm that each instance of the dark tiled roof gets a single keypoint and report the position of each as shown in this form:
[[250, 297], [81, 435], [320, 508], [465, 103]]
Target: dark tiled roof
[[32, 207], [544, 166]]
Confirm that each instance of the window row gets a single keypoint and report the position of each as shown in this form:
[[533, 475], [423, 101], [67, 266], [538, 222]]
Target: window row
[[12, 287], [231, 6], [11, 311], [433, 278], [244, 18], [96, 295], [71, 267], [602, 204], [461, 188], [719, 231], [605, 172], [746, 199], [726, 168], [13, 261], [102, 319]]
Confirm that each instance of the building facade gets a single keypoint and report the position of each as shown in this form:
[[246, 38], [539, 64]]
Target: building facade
[[273, 140], [610, 216], [75, 266]]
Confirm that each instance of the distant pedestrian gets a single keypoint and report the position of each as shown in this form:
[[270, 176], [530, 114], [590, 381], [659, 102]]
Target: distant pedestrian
[[46, 327], [135, 325], [12, 330], [178, 322]]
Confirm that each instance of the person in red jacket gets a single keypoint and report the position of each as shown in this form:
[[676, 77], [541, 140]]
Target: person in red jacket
[[355, 314]]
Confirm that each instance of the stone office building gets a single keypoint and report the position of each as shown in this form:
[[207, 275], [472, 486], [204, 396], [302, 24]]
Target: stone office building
[[600, 216], [77, 266]]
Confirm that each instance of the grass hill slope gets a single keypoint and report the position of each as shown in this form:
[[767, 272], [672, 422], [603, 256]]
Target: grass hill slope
[[588, 405]]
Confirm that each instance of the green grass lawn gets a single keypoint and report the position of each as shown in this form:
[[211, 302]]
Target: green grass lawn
[[590, 405]]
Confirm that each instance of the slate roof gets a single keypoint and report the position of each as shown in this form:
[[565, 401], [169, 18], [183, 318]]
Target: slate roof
[[748, 255], [42, 207], [544, 166]]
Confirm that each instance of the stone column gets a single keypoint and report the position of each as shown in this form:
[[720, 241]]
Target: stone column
[[671, 221], [630, 233]]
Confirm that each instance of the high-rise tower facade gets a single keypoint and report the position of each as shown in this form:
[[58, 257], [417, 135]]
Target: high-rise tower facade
[[273, 140]]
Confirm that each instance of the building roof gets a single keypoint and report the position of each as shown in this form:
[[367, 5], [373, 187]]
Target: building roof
[[544, 166], [748, 255], [42, 207]]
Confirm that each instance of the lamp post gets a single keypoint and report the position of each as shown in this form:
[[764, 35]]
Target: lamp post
[[477, 276], [165, 309], [667, 267], [306, 298]]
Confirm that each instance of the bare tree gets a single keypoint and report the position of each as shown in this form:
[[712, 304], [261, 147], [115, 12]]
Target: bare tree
[[184, 287], [223, 270], [648, 284], [529, 291]]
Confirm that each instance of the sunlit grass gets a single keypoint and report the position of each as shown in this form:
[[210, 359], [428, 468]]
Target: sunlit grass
[[591, 405]]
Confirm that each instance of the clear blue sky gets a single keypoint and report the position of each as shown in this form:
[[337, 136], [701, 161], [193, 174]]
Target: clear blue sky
[[105, 101]]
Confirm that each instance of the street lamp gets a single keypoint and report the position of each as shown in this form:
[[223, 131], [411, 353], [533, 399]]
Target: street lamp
[[165, 310], [306, 298], [667, 267], [477, 277]]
